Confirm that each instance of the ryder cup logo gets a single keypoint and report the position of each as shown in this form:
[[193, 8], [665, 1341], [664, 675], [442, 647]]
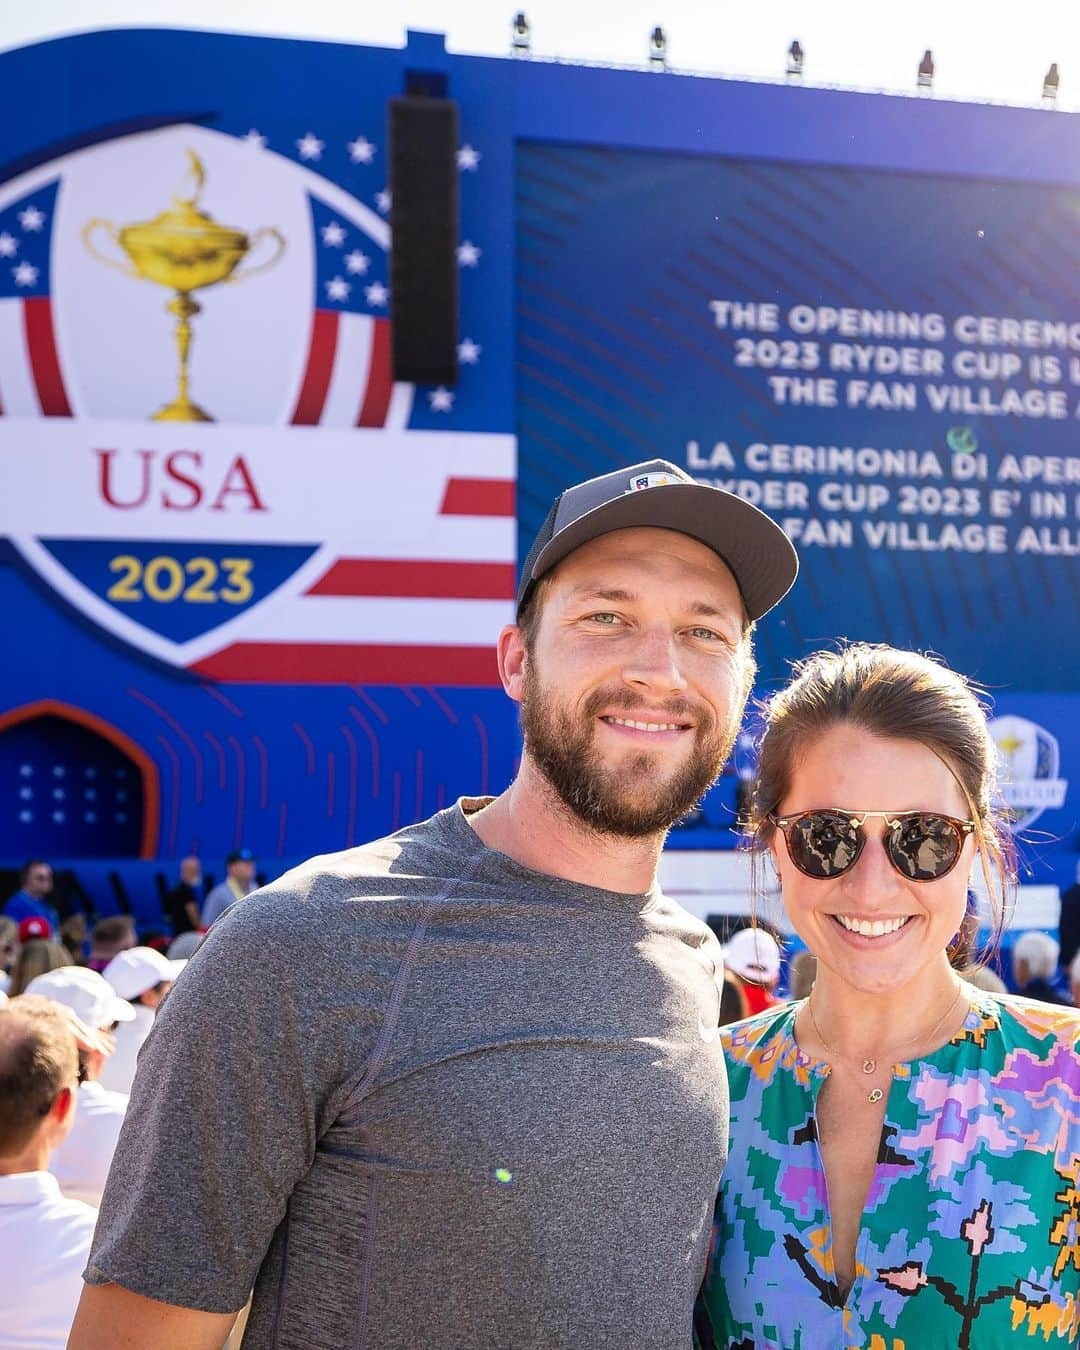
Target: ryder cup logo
[[1028, 764]]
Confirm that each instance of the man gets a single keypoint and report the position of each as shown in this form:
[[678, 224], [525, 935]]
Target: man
[[182, 902], [468, 1091], [31, 899], [143, 977], [108, 938], [44, 1238], [81, 1163], [9, 949], [1035, 964], [753, 956], [1069, 922], [239, 882]]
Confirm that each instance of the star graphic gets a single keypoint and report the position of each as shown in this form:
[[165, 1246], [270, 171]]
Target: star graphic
[[32, 219], [441, 400], [376, 293], [310, 147], [468, 352], [357, 262], [468, 158], [24, 274], [337, 288], [468, 255], [254, 139], [333, 234], [9, 245], [361, 151], [382, 200]]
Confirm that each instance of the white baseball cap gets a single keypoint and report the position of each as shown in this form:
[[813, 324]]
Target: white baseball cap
[[90, 997], [133, 972], [753, 953]]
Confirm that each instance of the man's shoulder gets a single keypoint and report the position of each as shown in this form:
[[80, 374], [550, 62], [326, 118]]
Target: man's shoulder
[[402, 869]]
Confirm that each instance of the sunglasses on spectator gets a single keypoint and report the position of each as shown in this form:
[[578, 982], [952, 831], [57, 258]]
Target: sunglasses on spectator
[[826, 843]]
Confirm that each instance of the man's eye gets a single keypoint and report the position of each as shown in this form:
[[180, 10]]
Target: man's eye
[[709, 634], [605, 618]]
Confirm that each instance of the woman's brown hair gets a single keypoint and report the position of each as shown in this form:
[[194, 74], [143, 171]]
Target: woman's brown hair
[[897, 695]]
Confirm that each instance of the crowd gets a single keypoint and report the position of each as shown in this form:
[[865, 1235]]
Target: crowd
[[482, 1084]]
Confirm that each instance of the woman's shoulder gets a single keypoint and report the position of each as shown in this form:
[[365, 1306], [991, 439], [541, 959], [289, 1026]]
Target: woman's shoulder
[[760, 1027], [1032, 1017]]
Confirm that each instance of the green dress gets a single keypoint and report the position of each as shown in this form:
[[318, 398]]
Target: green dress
[[970, 1238]]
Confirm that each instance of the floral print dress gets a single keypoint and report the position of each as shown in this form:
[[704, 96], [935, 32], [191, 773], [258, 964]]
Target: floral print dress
[[970, 1238]]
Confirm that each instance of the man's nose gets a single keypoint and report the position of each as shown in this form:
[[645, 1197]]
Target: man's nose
[[654, 662]]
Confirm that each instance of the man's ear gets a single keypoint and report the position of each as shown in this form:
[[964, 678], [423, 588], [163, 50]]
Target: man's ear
[[63, 1103], [512, 658]]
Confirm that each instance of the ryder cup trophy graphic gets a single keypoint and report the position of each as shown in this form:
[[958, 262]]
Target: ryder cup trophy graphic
[[186, 250]]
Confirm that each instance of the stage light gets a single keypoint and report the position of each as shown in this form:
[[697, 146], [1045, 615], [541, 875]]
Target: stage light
[[658, 49], [1050, 86], [520, 35], [926, 70], [795, 60]]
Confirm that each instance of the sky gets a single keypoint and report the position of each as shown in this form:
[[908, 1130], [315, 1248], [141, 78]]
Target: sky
[[984, 51]]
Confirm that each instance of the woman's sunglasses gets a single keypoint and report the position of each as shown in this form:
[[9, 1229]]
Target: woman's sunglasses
[[921, 845]]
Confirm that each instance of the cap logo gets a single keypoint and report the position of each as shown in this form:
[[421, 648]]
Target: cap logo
[[648, 480]]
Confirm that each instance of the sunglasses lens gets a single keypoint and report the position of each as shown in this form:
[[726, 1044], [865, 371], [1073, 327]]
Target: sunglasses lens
[[924, 847], [823, 844]]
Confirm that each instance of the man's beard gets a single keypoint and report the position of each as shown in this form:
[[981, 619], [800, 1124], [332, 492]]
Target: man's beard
[[603, 797]]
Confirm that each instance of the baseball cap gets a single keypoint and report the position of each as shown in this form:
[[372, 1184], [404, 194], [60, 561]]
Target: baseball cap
[[761, 557], [34, 926], [753, 954], [90, 997], [133, 972], [239, 855]]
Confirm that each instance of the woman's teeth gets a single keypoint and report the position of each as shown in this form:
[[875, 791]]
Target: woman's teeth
[[871, 927]]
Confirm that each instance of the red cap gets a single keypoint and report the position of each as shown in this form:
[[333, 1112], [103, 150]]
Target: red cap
[[34, 926]]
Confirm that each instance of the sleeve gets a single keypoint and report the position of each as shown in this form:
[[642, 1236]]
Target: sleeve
[[236, 1082]]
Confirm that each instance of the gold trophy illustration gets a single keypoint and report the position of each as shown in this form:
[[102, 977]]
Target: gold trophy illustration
[[186, 250]]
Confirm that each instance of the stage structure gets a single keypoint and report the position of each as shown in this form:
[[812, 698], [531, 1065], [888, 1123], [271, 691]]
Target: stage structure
[[253, 581]]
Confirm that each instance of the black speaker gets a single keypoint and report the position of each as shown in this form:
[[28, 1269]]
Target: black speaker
[[423, 140]]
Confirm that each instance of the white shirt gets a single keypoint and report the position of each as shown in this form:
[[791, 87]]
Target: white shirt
[[44, 1243], [119, 1071], [81, 1163]]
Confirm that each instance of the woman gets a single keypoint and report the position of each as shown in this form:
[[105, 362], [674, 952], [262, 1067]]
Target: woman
[[36, 957], [905, 1149]]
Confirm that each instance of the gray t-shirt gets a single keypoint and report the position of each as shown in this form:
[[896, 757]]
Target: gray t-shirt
[[419, 1095]]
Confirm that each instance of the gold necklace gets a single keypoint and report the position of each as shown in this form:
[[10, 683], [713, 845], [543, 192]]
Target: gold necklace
[[870, 1065]]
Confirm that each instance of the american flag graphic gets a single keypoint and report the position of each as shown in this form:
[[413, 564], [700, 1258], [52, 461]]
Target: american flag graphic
[[348, 376], [31, 379]]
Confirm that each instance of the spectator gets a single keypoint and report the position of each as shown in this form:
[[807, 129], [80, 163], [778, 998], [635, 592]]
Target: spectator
[[733, 1006], [754, 956], [182, 902], [239, 881], [982, 977], [73, 935], [81, 1163], [801, 972], [1035, 963], [110, 937], [35, 886], [184, 947], [36, 957], [1069, 922], [9, 949], [142, 976], [1074, 979], [44, 1238]]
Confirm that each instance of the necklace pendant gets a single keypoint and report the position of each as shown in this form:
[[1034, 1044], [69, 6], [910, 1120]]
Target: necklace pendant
[[869, 1065], [874, 1097]]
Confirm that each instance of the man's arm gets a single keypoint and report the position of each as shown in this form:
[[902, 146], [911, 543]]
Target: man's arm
[[112, 1318], [191, 909]]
